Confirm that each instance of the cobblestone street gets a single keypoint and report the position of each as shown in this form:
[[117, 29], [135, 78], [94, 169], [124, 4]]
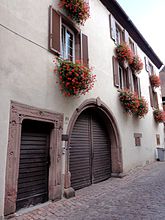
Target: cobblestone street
[[139, 195]]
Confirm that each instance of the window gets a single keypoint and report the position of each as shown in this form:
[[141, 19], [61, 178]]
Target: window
[[151, 68], [153, 98], [137, 137], [119, 34], [65, 39], [116, 31], [148, 66], [121, 77], [157, 139], [131, 44], [124, 78], [68, 44]]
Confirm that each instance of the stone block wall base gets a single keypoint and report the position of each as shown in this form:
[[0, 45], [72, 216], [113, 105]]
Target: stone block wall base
[[118, 175], [69, 193]]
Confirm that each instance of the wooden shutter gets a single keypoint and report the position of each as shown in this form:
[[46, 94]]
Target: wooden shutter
[[80, 152], [146, 64], [156, 104], [115, 71], [112, 27], [78, 46], [151, 96], [85, 58], [139, 87], [54, 31], [126, 37], [135, 46]]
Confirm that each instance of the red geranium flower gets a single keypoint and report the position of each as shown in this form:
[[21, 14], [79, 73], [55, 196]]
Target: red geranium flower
[[77, 10], [79, 82]]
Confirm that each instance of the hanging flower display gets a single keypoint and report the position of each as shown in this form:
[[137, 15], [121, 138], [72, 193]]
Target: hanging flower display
[[129, 100], [143, 107], [137, 64], [78, 10], [124, 53], [159, 115], [133, 104], [155, 80], [74, 78]]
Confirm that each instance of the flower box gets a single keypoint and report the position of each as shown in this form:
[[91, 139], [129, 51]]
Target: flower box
[[74, 78], [133, 104], [78, 10], [143, 107], [155, 80], [124, 54], [137, 64], [159, 116], [129, 100]]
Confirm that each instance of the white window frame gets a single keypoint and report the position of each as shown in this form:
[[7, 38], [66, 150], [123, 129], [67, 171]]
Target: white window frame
[[65, 54]]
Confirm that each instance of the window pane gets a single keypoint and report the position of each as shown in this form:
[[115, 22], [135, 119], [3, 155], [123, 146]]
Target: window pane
[[67, 44], [63, 43]]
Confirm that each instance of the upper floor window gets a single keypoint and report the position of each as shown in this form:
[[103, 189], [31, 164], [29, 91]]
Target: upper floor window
[[148, 66], [68, 43], [119, 34], [65, 39], [124, 78], [132, 45], [151, 68]]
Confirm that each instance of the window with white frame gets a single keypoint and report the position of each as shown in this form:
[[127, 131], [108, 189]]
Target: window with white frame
[[132, 45], [124, 78], [65, 38], [119, 35], [67, 44]]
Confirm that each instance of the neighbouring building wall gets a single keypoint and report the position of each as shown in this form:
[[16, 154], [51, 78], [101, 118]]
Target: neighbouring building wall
[[27, 76], [162, 81]]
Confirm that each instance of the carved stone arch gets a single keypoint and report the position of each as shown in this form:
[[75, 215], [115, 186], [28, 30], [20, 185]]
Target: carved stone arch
[[116, 152]]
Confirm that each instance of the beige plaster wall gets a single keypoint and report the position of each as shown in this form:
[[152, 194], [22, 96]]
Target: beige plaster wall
[[26, 76]]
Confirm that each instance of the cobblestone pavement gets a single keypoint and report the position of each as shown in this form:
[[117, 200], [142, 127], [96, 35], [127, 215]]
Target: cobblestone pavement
[[138, 196]]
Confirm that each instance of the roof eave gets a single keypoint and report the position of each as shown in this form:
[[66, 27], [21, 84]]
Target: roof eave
[[125, 21]]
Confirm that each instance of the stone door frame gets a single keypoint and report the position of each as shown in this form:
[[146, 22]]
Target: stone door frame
[[18, 113]]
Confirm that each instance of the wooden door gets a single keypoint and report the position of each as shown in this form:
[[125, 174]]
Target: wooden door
[[34, 164], [90, 160]]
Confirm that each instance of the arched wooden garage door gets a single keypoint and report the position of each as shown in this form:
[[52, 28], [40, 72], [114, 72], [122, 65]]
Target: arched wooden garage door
[[90, 160]]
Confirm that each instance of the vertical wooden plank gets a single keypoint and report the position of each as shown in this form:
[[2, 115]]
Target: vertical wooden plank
[[146, 64], [139, 87], [85, 57], [78, 46], [126, 37], [115, 71], [112, 27], [54, 31], [151, 96]]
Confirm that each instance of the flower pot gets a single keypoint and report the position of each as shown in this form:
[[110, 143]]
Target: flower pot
[[154, 89], [124, 64]]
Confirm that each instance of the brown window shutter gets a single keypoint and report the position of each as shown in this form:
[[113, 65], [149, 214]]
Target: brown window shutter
[[78, 46], [115, 71], [135, 46], [112, 27], [139, 88], [54, 31], [151, 96], [85, 57], [156, 100], [135, 84], [126, 37], [146, 64]]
